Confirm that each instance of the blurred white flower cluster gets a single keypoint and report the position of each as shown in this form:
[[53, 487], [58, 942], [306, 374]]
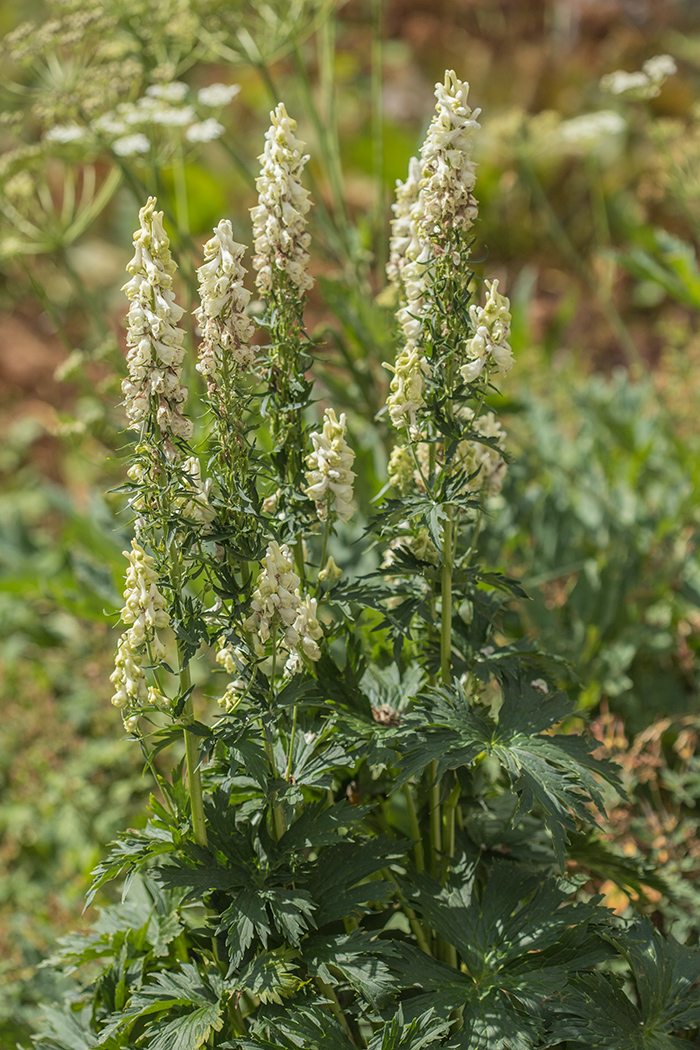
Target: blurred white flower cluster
[[145, 610], [279, 218], [225, 328], [156, 343], [277, 606], [125, 129], [330, 475], [642, 84]]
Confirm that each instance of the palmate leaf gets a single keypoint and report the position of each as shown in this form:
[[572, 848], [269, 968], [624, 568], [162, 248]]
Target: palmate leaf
[[597, 1012], [518, 938], [554, 773], [271, 976], [65, 1029], [338, 882], [196, 997], [359, 958], [319, 826], [305, 1022]]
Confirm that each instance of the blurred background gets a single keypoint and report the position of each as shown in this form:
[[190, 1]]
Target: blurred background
[[590, 218]]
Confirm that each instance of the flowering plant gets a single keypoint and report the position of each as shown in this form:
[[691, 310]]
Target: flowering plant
[[384, 837]]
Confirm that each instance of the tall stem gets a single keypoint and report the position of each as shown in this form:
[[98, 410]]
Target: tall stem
[[192, 757], [415, 827], [446, 588]]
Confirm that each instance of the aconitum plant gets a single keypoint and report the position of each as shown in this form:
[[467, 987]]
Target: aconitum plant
[[384, 835]]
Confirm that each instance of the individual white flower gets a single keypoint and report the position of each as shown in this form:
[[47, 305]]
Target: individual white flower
[[330, 573], [277, 605], [216, 95], [172, 92], [279, 219], [130, 145], [225, 327], [205, 131], [156, 343], [64, 133], [330, 476], [406, 390], [448, 172], [540, 686], [491, 331]]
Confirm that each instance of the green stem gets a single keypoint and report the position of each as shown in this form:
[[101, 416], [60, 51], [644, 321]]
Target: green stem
[[335, 1006], [192, 757], [291, 745], [448, 839], [435, 819], [415, 828], [446, 614], [414, 923], [277, 812]]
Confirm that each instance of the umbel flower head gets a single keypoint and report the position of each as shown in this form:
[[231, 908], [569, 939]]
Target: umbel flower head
[[277, 606], [145, 611], [279, 219], [491, 328], [330, 475], [226, 330], [156, 343]]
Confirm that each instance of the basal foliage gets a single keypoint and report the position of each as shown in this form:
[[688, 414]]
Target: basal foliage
[[381, 839]]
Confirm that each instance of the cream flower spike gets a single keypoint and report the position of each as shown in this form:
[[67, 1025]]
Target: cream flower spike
[[330, 475], [449, 174], [279, 219], [226, 330], [491, 324], [145, 611], [277, 606], [156, 343]]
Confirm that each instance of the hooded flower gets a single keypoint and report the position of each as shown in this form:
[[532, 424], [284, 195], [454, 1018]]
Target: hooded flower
[[279, 220], [277, 605], [156, 343], [330, 475], [225, 328], [449, 173], [491, 328], [145, 612]]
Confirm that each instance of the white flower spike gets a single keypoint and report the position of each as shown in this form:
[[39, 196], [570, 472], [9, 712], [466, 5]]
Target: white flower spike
[[279, 219], [330, 475]]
